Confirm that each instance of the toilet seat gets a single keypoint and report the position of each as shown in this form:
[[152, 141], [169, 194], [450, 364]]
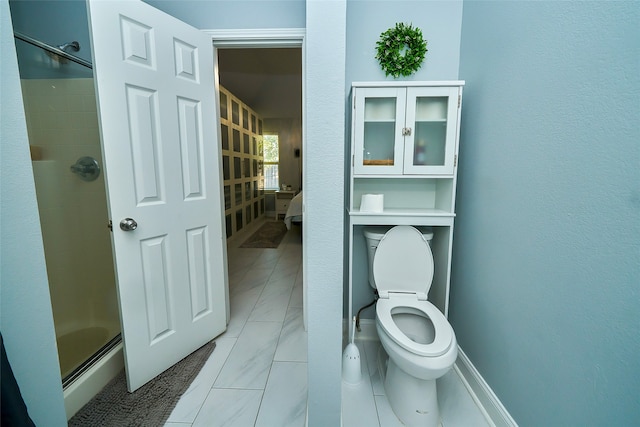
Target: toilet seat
[[403, 263], [398, 304], [403, 272]]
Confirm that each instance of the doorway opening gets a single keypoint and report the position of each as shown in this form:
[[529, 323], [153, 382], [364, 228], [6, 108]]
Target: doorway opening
[[266, 283], [267, 83]]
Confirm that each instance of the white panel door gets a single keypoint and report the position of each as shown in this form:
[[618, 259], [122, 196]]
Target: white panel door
[[155, 87]]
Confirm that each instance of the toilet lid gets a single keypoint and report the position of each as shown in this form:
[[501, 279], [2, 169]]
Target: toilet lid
[[444, 336], [403, 262]]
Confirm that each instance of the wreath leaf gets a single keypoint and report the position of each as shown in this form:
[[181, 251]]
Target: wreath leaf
[[401, 50]]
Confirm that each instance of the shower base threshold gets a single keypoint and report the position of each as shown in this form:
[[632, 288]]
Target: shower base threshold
[[93, 379]]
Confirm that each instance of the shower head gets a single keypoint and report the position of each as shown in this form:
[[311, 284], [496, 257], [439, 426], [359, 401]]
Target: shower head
[[74, 45]]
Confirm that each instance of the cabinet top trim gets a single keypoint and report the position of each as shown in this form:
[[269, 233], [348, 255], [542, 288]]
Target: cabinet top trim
[[409, 83]]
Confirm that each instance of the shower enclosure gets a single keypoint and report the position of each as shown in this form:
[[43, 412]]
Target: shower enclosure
[[62, 123]]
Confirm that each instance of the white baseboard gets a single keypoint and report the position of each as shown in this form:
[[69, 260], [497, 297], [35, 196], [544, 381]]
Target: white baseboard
[[495, 413]]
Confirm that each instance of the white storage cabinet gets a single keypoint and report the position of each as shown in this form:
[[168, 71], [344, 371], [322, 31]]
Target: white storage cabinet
[[404, 145]]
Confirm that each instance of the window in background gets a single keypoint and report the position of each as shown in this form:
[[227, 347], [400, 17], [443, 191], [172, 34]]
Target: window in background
[[271, 161]]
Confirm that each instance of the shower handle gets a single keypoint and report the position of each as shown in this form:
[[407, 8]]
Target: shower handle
[[128, 224]]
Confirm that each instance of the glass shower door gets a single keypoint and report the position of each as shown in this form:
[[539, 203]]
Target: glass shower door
[[60, 108]]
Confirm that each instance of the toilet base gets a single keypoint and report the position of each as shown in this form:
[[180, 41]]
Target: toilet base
[[414, 401]]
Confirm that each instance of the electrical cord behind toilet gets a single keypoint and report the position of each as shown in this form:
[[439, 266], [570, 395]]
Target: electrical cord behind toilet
[[366, 306]]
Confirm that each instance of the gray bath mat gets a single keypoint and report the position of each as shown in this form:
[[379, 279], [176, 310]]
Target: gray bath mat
[[150, 405], [268, 236]]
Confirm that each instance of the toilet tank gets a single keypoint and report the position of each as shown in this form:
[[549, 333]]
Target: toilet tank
[[373, 235]]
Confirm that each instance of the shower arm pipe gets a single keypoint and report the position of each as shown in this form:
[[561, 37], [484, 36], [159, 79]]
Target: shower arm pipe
[[52, 49]]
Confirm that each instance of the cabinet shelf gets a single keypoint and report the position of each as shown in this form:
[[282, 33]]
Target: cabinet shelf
[[443, 121], [400, 177], [404, 212], [402, 217], [386, 162]]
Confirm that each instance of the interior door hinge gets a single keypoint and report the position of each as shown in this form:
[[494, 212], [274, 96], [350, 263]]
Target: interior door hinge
[[353, 160], [110, 226], [459, 100], [455, 160]]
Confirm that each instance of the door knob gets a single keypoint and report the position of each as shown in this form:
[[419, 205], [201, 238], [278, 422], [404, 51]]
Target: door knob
[[128, 224]]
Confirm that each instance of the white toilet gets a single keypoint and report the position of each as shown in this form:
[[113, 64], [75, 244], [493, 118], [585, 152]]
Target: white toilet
[[418, 339]]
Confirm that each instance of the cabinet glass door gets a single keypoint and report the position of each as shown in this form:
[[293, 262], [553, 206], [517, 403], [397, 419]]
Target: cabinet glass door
[[379, 118], [432, 116]]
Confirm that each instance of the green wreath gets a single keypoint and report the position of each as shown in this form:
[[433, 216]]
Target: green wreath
[[401, 50]]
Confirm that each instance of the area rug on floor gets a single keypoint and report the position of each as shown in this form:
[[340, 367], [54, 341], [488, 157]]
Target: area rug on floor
[[150, 405], [268, 236]]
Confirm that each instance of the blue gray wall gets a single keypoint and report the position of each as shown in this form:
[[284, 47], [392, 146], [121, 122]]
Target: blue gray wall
[[324, 124], [234, 14], [439, 21], [545, 293], [26, 320]]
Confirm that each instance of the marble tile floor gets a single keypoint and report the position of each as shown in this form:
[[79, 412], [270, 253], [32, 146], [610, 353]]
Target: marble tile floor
[[257, 375], [366, 405]]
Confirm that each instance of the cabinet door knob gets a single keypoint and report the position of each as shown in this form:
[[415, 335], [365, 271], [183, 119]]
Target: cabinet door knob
[[406, 131]]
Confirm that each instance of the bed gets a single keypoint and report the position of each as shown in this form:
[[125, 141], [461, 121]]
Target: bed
[[294, 212]]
